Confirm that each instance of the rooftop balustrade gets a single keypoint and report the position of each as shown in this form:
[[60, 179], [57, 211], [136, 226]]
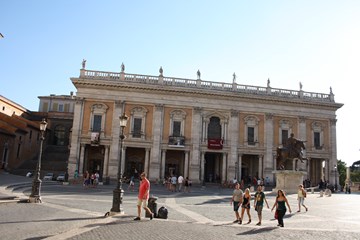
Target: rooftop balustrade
[[209, 85]]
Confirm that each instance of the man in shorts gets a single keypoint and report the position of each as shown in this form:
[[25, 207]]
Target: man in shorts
[[259, 203], [143, 197], [236, 200]]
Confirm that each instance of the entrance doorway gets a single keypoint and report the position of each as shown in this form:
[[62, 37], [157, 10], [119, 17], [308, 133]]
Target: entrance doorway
[[213, 163]]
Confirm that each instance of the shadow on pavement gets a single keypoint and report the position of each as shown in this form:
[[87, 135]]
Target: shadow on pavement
[[258, 230], [55, 220]]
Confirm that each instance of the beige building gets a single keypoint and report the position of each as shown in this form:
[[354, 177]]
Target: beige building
[[207, 131]]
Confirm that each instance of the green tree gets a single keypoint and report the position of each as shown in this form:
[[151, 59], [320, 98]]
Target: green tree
[[341, 167], [355, 176]]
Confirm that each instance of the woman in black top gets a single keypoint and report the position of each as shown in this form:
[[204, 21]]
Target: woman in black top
[[280, 202], [246, 205]]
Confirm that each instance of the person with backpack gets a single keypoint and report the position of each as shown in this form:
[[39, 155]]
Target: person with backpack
[[301, 197]]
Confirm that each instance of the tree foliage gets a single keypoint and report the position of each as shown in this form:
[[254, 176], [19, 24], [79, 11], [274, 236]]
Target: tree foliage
[[341, 168]]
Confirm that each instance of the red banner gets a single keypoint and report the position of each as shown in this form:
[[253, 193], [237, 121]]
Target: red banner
[[215, 143]]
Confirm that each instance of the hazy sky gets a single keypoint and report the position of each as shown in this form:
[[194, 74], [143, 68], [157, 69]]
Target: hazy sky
[[316, 42]]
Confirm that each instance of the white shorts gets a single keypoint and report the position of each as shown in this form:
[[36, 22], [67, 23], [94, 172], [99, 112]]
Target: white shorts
[[142, 202]]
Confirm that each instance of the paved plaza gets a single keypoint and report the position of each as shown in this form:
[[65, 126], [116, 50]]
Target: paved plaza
[[72, 212]]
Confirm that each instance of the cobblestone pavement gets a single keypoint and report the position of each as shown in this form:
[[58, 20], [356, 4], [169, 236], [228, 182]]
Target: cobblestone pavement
[[72, 212]]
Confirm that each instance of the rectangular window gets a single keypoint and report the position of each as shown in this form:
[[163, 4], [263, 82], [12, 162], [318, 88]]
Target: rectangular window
[[137, 128], [317, 140], [251, 136], [97, 123], [55, 107], [61, 107], [284, 136], [176, 129], [45, 107], [67, 107]]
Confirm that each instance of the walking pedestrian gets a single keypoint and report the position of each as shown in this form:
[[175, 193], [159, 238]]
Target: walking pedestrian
[[301, 197], [245, 206], [259, 203], [180, 181], [280, 202], [143, 197], [131, 184], [236, 201], [173, 183]]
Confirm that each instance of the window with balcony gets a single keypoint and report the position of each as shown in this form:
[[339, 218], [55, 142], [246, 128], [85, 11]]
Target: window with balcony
[[285, 128], [251, 130], [97, 120], [317, 130], [136, 133], [177, 127], [251, 135], [317, 140], [137, 122], [96, 127]]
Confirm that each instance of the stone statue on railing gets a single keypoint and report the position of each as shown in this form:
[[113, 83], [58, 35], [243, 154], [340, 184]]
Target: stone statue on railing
[[268, 82], [198, 74], [83, 64], [234, 78], [300, 86], [122, 67], [161, 71]]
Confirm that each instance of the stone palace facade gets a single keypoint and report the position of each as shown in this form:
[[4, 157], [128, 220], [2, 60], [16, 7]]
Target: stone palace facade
[[207, 131]]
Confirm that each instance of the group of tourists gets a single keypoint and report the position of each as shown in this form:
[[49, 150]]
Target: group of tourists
[[91, 180], [177, 184], [242, 200]]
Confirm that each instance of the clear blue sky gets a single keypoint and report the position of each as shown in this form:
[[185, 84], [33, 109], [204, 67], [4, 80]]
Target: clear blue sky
[[313, 42]]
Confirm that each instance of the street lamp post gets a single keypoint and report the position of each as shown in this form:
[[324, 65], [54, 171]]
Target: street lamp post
[[118, 191], [36, 184]]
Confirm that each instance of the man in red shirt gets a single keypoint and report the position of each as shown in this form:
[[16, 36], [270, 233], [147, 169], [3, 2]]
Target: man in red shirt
[[143, 196]]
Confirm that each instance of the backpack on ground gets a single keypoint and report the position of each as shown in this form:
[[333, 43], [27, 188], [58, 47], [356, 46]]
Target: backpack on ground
[[163, 213]]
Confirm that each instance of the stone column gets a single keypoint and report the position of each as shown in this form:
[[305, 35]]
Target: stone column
[[82, 156], [269, 165], [115, 140], [196, 126], [186, 167], [106, 162], [302, 136], [223, 167], [326, 174], [260, 171], [163, 161], [202, 175], [147, 160], [234, 141], [74, 161], [239, 167], [158, 120], [333, 151], [123, 160]]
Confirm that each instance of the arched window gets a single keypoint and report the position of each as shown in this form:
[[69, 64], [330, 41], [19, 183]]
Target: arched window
[[214, 128]]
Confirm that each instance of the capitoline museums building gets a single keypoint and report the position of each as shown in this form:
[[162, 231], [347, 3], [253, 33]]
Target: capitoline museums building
[[207, 131]]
